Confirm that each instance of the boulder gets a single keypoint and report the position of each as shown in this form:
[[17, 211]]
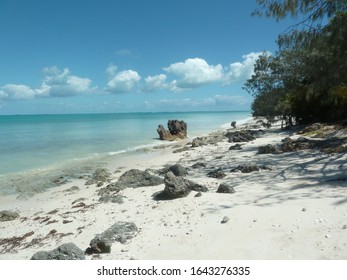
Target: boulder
[[7, 215], [225, 188], [177, 130], [67, 251], [178, 187], [175, 187], [199, 165], [119, 232]]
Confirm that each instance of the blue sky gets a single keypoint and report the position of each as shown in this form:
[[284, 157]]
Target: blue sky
[[101, 56]]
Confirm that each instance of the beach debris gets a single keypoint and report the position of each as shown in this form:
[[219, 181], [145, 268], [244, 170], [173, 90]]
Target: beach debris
[[218, 174], [120, 232], [225, 188], [7, 215], [112, 198], [225, 220], [66, 251], [177, 130], [11, 244]]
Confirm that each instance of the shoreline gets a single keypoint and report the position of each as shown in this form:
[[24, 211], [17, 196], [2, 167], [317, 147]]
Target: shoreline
[[290, 208]]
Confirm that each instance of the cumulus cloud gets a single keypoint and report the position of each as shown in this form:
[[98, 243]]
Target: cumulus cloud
[[153, 83], [241, 71], [123, 81], [56, 83], [194, 72]]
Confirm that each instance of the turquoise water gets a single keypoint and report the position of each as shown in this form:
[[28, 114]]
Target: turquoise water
[[34, 142]]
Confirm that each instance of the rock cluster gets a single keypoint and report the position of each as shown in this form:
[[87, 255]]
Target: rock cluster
[[241, 136], [177, 130]]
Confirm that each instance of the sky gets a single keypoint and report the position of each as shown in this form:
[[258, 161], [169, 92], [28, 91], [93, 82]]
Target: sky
[[109, 56]]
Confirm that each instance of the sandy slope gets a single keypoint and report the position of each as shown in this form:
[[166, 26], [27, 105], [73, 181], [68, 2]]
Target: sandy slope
[[296, 210]]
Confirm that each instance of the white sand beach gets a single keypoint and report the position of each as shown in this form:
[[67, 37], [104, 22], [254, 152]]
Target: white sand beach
[[294, 207]]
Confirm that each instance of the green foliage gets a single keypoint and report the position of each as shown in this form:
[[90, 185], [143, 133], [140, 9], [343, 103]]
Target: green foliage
[[307, 77]]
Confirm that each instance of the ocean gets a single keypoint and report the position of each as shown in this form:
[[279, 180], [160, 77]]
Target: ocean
[[30, 144]]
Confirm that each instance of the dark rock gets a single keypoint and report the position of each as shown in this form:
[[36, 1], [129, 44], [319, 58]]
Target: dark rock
[[225, 188], [198, 165], [218, 174], [235, 147], [246, 168], [267, 149], [241, 136], [119, 232], [178, 128], [225, 220], [199, 194], [233, 124], [7, 215], [67, 251], [178, 187], [178, 170], [175, 187], [135, 178]]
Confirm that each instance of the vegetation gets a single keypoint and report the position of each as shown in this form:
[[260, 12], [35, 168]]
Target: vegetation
[[307, 77]]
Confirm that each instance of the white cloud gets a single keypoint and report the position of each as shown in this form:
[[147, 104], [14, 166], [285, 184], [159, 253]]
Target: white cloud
[[123, 81], [13, 92], [55, 83], [111, 71], [195, 72], [155, 82], [241, 71]]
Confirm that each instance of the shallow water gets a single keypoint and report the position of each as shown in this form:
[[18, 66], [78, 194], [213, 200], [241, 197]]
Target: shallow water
[[35, 150]]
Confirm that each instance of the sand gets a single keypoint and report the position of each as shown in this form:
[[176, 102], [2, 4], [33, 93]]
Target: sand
[[294, 209]]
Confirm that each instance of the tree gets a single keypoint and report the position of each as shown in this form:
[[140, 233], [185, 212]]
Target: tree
[[307, 77]]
